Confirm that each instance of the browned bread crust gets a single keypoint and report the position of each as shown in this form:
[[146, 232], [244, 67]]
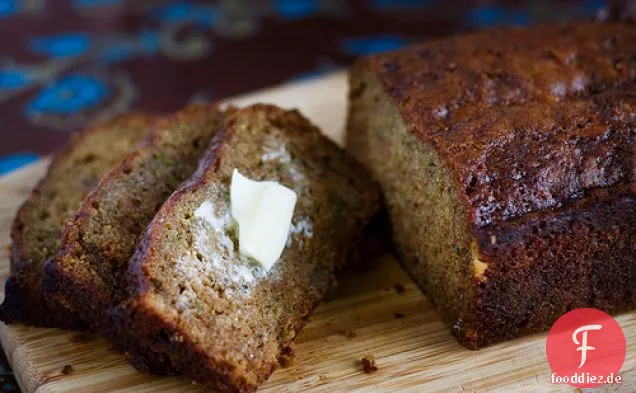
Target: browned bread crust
[[87, 274], [36, 230], [548, 263], [525, 138], [214, 314]]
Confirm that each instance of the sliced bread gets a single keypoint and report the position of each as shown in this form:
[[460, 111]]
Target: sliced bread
[[36, 229], [87, 275], [200, 305]]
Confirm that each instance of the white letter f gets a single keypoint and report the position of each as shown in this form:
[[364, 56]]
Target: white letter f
[[584, 347]]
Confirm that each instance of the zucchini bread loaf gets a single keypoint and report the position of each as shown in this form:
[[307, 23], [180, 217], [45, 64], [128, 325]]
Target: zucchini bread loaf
[[507, 158], [199, 304], [36, 231], [101, 237]]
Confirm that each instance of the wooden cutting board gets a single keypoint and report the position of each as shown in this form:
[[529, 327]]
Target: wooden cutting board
[[379, 311]]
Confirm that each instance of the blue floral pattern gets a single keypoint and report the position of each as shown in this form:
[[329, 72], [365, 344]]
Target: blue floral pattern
[[94, 3], [492, 15], [296, 9], [205, 15], [8, 8], [368, 45], [62, 45], [15, 161], [14, 78], [69, 95]]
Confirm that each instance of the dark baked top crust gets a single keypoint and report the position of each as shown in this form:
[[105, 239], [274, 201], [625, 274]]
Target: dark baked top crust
[[525, 119]]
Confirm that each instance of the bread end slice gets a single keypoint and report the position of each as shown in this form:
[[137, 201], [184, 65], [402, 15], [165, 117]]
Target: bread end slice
[[99, 240], [36, 230]]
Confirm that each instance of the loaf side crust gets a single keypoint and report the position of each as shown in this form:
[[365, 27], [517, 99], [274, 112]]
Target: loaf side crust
[[536, 268]]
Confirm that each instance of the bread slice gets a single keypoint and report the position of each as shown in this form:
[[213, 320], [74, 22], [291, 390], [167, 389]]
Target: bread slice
[[508, 162], [36, 230], [99, 240], [218, 316]]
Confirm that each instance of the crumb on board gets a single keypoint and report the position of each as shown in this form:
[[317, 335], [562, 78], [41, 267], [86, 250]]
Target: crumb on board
[[67, 369], [322, 378], [398, 315], [296, 375], [368, 364], [350, 334], [399, 288], [286, 357], [285, 360]]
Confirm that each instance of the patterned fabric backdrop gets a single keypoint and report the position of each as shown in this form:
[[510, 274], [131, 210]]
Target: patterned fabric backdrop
[[67, 63]]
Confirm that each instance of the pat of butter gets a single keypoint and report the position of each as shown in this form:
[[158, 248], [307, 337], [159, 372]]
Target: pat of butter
[[263, 211]]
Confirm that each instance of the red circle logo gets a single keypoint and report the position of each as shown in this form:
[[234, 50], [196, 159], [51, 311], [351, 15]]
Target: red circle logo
[[586, 349]]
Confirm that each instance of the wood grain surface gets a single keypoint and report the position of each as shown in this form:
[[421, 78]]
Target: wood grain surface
[[377, 311]]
